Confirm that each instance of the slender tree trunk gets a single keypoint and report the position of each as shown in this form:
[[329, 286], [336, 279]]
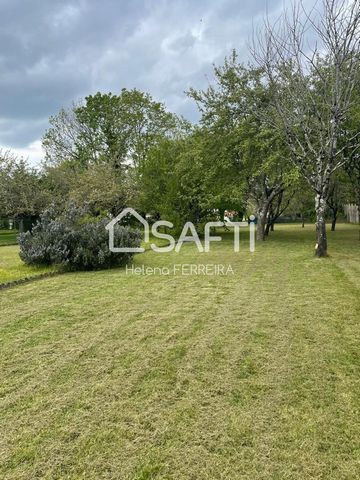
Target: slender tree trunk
[[334, 219], [265, 213], [321, 239], [267, 229], [302, 221], [261, 222]]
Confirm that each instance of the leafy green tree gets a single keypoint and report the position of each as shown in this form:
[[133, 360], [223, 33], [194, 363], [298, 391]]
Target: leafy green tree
[[102, 189], [302, 202], [157, 180], [233, 110], [278, 207], [337, 197], [352, 166], [21, 193], [353, 170], [107, 128], [189, 179]]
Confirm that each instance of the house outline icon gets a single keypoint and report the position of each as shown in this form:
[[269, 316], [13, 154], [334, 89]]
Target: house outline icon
[[110, 227]]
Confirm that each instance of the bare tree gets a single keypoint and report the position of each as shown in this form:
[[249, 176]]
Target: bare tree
[[310, 60]]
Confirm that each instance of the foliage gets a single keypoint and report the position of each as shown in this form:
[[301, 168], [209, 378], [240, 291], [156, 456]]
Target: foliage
[[113, 151], [102, 189], [70, 239], [21, 192], [108, 128], [302, 203], [311, 63], [184, 180], [233, 111], [95, 149]]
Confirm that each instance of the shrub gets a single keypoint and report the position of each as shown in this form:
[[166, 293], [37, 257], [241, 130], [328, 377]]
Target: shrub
[[75, 240]]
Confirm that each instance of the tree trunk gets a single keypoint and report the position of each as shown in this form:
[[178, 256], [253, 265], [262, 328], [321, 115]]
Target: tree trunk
[[333, 222], [302, 221], [261, 223], [222, 214], [267, 229], [265, 214], [321, 239]]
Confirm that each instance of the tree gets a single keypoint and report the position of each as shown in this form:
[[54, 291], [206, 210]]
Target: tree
[[102, 189], [95, 149], [210, 163], [353, 171], [312, 91], [107, 128], [190, 178], [268, 173], [277, 207], [234, 110], [158, 181], [21, 194], [352, 166], [302, 202], [338, 193]]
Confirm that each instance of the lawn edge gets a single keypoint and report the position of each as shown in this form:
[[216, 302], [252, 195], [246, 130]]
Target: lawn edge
[[21, 281]]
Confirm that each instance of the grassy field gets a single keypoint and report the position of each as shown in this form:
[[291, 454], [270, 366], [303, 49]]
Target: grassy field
[[256, 375], [8, 237], [12, 268]]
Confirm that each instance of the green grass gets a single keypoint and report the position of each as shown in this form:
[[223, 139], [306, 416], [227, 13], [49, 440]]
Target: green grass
[[254, 375], [8, 237], [12, 268]]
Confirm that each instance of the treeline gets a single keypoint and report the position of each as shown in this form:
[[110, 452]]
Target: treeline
[[279, 135]]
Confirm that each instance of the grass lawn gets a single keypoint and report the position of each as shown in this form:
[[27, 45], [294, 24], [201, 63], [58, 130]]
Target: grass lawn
[[8, 237], [12, 268], [254, 375]]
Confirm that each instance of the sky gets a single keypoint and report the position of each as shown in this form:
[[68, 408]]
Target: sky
[[54, 52]]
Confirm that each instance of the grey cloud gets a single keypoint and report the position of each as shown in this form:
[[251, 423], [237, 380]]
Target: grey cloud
[[53, 52]]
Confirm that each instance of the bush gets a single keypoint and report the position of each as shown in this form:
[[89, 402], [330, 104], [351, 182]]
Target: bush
[[75, 240]]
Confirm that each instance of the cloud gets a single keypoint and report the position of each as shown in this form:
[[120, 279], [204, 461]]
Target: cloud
[[33, 152], [52, 53]]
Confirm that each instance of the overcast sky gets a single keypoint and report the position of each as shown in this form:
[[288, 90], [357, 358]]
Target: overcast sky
[[55, 51]]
